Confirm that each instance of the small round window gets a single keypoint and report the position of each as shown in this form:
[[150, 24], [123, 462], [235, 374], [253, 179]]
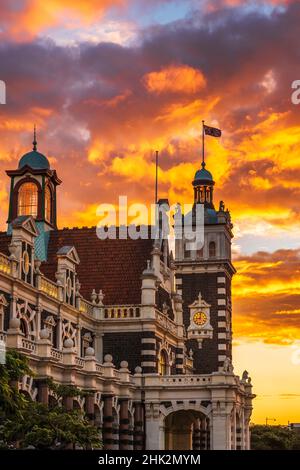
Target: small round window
[[26, 263], [69, 287]]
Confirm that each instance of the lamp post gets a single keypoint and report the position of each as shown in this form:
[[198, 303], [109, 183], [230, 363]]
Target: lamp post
[[269, 419]]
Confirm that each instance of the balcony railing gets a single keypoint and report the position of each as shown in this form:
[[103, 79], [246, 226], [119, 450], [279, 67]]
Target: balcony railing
[[99, 368], [49, 287], [79, 362], [166, 322], [122, 311], [4, 264], [56, 354], [28, 345], [86, 307], [184, 380]]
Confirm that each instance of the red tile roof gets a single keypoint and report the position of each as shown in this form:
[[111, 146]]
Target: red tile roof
[[115, 266], [4, 242]]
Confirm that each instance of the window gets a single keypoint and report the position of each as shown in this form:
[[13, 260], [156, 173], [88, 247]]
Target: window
[[47, 204], [28, 200], [163, 363], [212, 250]]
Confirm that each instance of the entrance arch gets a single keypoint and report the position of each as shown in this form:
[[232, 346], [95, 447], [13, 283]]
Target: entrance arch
[[186, 427]]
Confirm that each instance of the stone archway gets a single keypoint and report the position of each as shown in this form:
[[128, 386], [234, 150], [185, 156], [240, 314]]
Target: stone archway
[[185, 426], [186, 430]]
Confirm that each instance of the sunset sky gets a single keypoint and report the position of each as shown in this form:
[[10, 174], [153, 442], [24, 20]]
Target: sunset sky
[[108, 82]]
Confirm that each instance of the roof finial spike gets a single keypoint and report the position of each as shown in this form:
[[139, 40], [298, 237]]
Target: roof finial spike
[[203, 138], [34, 138]]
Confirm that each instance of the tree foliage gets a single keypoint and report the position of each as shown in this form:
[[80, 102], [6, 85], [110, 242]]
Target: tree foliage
[[27, 423], [274, 438]]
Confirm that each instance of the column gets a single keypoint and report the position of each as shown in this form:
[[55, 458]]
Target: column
[[243, 430], [38, 322], [233, 430], [138, 436], [78, 337], [203, 434], [220, 431], [98, 346], [59, 333], [90, 407], [68, 403], [107, 431], [124, 425], [155, 432], [196, 435], [43, 392], [208, 428]]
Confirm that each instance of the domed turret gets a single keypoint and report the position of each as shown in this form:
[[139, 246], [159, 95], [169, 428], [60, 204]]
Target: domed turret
[[203, 187], [34, 159]]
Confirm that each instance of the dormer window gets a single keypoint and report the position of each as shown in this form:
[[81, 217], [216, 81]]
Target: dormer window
[[28, 199]]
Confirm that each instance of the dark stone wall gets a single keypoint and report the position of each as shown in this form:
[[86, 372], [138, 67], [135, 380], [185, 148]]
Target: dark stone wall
[[205, 359], [124, 346]]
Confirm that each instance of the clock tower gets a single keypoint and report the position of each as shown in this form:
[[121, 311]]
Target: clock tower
[[204, 280]]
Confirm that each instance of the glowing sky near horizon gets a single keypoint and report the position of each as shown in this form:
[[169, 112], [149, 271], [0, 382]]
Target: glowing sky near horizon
[[109, 81]]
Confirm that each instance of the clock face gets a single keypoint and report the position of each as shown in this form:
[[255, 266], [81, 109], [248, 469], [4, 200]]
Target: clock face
[[200, 318]]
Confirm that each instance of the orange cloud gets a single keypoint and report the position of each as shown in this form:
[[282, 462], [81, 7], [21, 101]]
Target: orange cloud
[[36, 16], [267, 296], [175, 79]]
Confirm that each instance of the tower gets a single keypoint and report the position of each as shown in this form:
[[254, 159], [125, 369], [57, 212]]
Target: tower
[[33, 192], [206, 274]]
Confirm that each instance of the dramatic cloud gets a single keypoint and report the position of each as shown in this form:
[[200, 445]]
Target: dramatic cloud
[[182, 79], [267, 296], [21, 18]]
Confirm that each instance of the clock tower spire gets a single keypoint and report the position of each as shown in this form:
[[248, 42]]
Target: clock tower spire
[[207, 270]]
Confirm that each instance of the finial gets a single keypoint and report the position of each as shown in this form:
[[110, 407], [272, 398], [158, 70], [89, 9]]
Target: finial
[[34, 139], [203, 154]]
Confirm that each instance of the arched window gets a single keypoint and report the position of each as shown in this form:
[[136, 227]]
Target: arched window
[[28, 199], [212, 249], [163, 363], [47, 204]]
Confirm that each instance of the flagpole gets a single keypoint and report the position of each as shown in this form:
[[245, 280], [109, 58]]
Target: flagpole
[[156, 175], [203, 159]]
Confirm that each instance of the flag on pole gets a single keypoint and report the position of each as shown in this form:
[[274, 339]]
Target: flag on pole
[[212, 131]]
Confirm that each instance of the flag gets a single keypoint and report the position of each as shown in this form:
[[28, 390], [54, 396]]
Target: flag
[[212, 131]]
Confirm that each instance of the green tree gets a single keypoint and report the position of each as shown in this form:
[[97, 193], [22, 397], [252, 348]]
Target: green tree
[[27, 423], [274, 438], [16, 366]]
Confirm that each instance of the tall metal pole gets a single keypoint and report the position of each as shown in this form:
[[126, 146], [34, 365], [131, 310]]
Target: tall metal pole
[[156, 175], [203, 158]]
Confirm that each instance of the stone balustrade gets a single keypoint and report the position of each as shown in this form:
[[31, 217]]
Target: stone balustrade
[[175, 380], [166, 322], [5, 264], [28, 345], [55, 354], [121, 311], [49, 287], [86, 307]]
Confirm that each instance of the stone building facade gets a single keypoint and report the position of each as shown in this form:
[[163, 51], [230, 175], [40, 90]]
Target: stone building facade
[[148, 336]]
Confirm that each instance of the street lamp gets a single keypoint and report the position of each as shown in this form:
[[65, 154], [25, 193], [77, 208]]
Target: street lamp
[[269, 419]]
